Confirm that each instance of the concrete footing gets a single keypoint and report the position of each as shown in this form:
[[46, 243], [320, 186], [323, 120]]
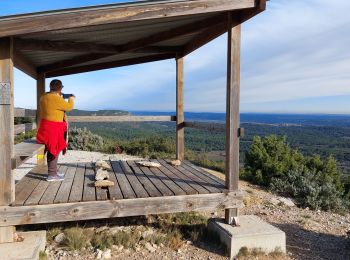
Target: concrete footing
[[34, 242], [252, 232]]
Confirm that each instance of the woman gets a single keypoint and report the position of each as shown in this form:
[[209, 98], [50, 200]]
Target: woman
[[53, 126]]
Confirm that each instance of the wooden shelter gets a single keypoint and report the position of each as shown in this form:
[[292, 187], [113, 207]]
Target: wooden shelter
[[65, 42]]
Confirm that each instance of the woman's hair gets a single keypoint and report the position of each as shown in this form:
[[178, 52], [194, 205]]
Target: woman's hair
[[55, 85]]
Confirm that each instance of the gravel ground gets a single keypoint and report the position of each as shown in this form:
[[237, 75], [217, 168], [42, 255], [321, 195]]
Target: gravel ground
[[310, 234]]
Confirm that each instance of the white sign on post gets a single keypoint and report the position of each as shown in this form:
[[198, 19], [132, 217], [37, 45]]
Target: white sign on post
[[5, 93]]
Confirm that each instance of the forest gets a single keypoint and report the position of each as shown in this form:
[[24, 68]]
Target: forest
[[309, 139]]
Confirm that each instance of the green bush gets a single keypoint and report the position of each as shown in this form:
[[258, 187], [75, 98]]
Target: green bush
[[313, 182], [83, 139], [158, 147]]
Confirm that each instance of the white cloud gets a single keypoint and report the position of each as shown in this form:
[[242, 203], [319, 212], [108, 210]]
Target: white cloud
[[294, 50]]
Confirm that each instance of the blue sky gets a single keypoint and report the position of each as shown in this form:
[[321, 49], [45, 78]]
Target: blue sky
[[295, 59]]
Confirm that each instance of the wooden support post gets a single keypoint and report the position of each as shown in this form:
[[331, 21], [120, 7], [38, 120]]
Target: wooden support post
[[232, 113], [40, 89], [180, 133], [7, 183]]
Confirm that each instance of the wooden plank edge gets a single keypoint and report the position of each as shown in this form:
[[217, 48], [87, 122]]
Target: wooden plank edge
[[23, 215]]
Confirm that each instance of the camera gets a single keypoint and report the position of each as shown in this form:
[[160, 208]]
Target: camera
[[66, 96]]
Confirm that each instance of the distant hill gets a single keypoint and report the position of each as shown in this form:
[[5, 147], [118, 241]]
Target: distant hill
[[78, 112]]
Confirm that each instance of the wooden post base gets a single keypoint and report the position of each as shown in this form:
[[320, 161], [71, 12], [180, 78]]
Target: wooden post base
[[230, 214], [6, 234]]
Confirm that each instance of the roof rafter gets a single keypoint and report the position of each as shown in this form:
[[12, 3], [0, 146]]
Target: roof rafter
[[108, 65], [219, 29], [138, 43], [81, 47]]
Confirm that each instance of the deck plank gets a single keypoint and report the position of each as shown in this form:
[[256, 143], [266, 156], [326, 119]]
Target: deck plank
[[62, 195], [76, 193], [178, 180], [89, 193], [156, 179], [114, 192], [134, 181], [185, 176], [218, 180], [146, 183], [208, 184], [51, 191], [205, 176], [28, 184], [37, 194], [128, 192]]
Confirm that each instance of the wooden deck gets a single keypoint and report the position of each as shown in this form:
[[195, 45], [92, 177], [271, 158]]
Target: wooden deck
[[137, 191], [131, 181]]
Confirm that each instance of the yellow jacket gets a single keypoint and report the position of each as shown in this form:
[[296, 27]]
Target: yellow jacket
[[53, 106]]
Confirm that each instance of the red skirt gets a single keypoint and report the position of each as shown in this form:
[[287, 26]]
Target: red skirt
[[52, 135]]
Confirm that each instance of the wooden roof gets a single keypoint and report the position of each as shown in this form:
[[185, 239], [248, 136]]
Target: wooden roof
[[85, 39]]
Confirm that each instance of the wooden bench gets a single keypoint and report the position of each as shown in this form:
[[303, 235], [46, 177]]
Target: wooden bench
[[27, 149]]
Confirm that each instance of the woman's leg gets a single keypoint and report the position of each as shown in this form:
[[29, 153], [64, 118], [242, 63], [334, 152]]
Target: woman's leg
[[52, 164]]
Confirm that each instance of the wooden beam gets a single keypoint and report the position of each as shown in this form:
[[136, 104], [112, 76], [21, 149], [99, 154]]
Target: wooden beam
[[180, 130], [75, 119], [217, 30], [7, 183], [92, 16], [40, 89], [208, 35], [135, 44], [232, 112], [83, 47], [23, 64], [22, 215], [108, 65]]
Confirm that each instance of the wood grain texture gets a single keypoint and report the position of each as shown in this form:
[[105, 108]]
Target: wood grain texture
[[7, 183], [6, 234], [205, 173], [117, 208], [180, 130], [146, 183], [63, 192], [115, 191], [133, 12], [176, 178], [51, 191], [28, 184], [185, 176], [156, 180], [232, 112], [76, 193], [89, 193], [168, 182], [201, 179], [136, 185], [123, 182]]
